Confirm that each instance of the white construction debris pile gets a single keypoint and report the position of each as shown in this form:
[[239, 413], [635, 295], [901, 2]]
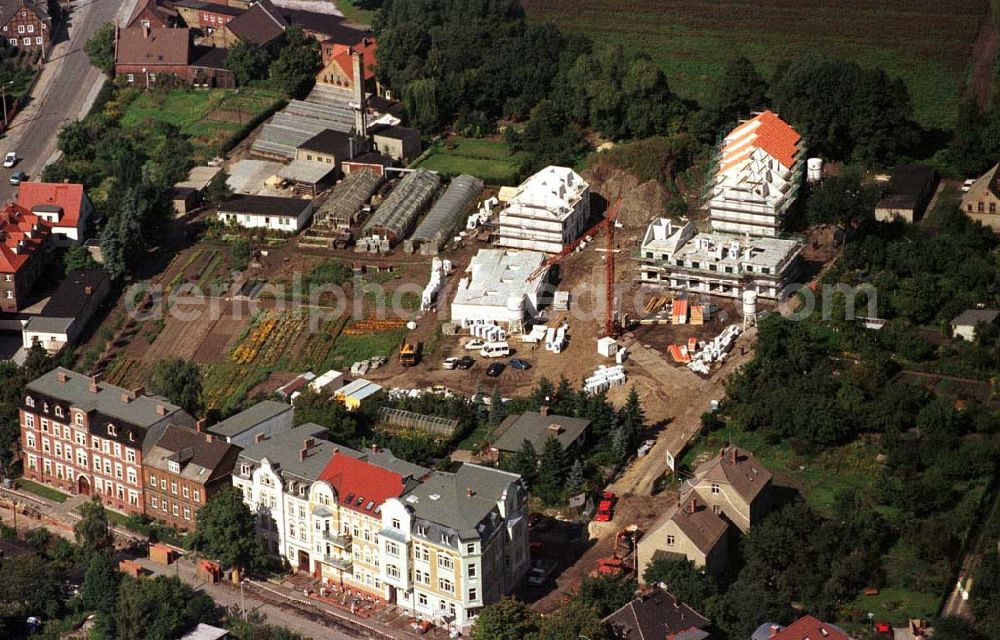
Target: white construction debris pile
[[439, 271], [604, 378], [556, 338], [715, 350]]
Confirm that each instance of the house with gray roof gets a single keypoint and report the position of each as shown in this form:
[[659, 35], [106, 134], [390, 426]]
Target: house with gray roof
[[267, 418], [537, 427]]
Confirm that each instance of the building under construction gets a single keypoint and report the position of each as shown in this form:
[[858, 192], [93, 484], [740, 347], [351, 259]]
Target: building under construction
[[441, 220], [397, 215]]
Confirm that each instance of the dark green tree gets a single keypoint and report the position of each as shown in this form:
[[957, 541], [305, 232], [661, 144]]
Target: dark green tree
[[740, 91], [225, 531], [248, 61], [325, 411], [101, 48], [294, 71], [99, 592], [572, 620], [525, 462], [497, 412], [551, 472], [217, 190], [549, 138], [159, 608], [843, 201], [30, 587], [180, 381], [93, 531], [508, 619], [575, 480], [683, 580], [605, 594], [78, 257]]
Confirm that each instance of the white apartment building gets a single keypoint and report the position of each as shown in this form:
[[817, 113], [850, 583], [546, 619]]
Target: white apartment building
[[442, 545], [547, 211], [757, 177], [680, 258]]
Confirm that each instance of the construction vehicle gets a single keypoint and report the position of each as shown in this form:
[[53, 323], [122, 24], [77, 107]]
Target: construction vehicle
[[620, 562], [409, 353]]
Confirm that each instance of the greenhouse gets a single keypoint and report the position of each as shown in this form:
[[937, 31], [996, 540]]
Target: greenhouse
[[435, 228]]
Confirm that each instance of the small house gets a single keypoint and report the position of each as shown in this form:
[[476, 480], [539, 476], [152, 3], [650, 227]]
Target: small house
[[964, 324], [982, 201], [290, 215], [537, 427], [908, 193]]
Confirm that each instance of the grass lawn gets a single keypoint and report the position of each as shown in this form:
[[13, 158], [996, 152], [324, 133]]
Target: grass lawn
[[490, 160], [355, 13], [350, 349], [208, 116], [42, 491], [927, 43], [897, 605]]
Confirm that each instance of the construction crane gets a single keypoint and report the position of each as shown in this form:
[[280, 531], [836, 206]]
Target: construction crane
[[611, 328]]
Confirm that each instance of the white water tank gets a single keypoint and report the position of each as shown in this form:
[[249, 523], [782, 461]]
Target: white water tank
[[814, 169], [749, 304], [515, 309]]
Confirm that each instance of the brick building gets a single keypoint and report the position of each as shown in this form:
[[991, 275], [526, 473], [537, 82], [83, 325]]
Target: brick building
[[24, 248], [153, 13], [144, 55], [182, 470], [88, 437], [26, 24]]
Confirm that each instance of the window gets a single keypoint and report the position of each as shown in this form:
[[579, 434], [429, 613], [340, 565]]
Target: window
[[20, 28], [130, 456], [472, 570], [392, 571], [291, 529], [29, 421], [395, 524], [421, 577], [185, 491], [422, 599], [446, 585], [45, 425], [29, 401], [421, 530], [175, 510], [113, 432], [31, 28], [130, 77], [392, 549], [421, 553], [197, 495], [152, 480], [445, 562], [163, 484], [187, 513], [59, 411], [29, 440], [118, 450], [79, 419], [13, 43], [470, 548], [131, 475], [980, 207], [45, 445], [153, 502], [993, 207], [670, 541], [716, 488], [245, 469], [473, 595], [173, 488]]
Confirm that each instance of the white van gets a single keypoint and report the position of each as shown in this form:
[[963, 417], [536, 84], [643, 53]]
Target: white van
[[495, 350]]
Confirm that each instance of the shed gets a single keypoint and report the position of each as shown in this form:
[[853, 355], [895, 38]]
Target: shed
[[607, 347], [964, 324], [357, 393], [537, 427], [162, 554], [308, 177], [908, 193]]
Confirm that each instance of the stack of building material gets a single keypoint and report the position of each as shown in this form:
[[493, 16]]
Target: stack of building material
[[697, 315], [715, 350], [439, 270], [679, 312], [560, 301], [488, 332], [556, 338], [604, 378]]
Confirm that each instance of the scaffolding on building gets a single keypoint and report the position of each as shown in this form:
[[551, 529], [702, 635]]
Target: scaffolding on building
[[439, 222]]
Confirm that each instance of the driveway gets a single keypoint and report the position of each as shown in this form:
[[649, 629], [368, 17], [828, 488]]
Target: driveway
[[65, 90]]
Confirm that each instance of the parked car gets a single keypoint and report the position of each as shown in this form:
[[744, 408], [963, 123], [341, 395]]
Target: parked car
[[540, 572], [495, 350], [18, 177], [517, 363], [495, 369], [10, 159], [645, 447], [475, 344], [606, 507], [466, 362], [449, 363]]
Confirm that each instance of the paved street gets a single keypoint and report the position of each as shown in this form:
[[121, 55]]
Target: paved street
[[65, 90]]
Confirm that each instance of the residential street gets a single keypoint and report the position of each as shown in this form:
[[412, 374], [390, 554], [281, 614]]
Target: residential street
[[64, 92]]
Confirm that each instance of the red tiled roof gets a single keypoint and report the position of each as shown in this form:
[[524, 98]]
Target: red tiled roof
[[69, 197], [17, 224], [367, 48], [772, 134], [360, 484], [810, 628]]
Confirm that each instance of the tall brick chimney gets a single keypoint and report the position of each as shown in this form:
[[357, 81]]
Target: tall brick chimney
[[358, 89]]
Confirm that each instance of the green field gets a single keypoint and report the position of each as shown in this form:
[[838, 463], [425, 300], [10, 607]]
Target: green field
[[927, 43], [208, 116], [42, 491], [492, 161]]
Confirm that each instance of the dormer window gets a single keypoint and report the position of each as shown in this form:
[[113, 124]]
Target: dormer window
[[45, 407], [131, 436], [716, 488], [174, 467], [111, 430], [59, 411], [29, 401]]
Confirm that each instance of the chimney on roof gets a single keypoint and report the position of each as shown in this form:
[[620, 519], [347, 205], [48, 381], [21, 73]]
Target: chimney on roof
[[259, 437], [145, 31], [126, 397], [161, 410], [200, 425], [544, 410], [692, 505], [555, 429], [302, 455], [209, 438], [732, 455], [774, 630], [61, 376], [308, 443], [138, 391], [88, 290], [94, 381], [469, 492]]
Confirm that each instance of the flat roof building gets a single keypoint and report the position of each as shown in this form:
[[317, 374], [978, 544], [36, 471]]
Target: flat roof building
[[289, 215], [547, 211], [498, 289]]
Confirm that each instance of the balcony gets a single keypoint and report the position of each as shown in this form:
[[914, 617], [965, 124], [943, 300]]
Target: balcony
[[344, 563], [341, 541]]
